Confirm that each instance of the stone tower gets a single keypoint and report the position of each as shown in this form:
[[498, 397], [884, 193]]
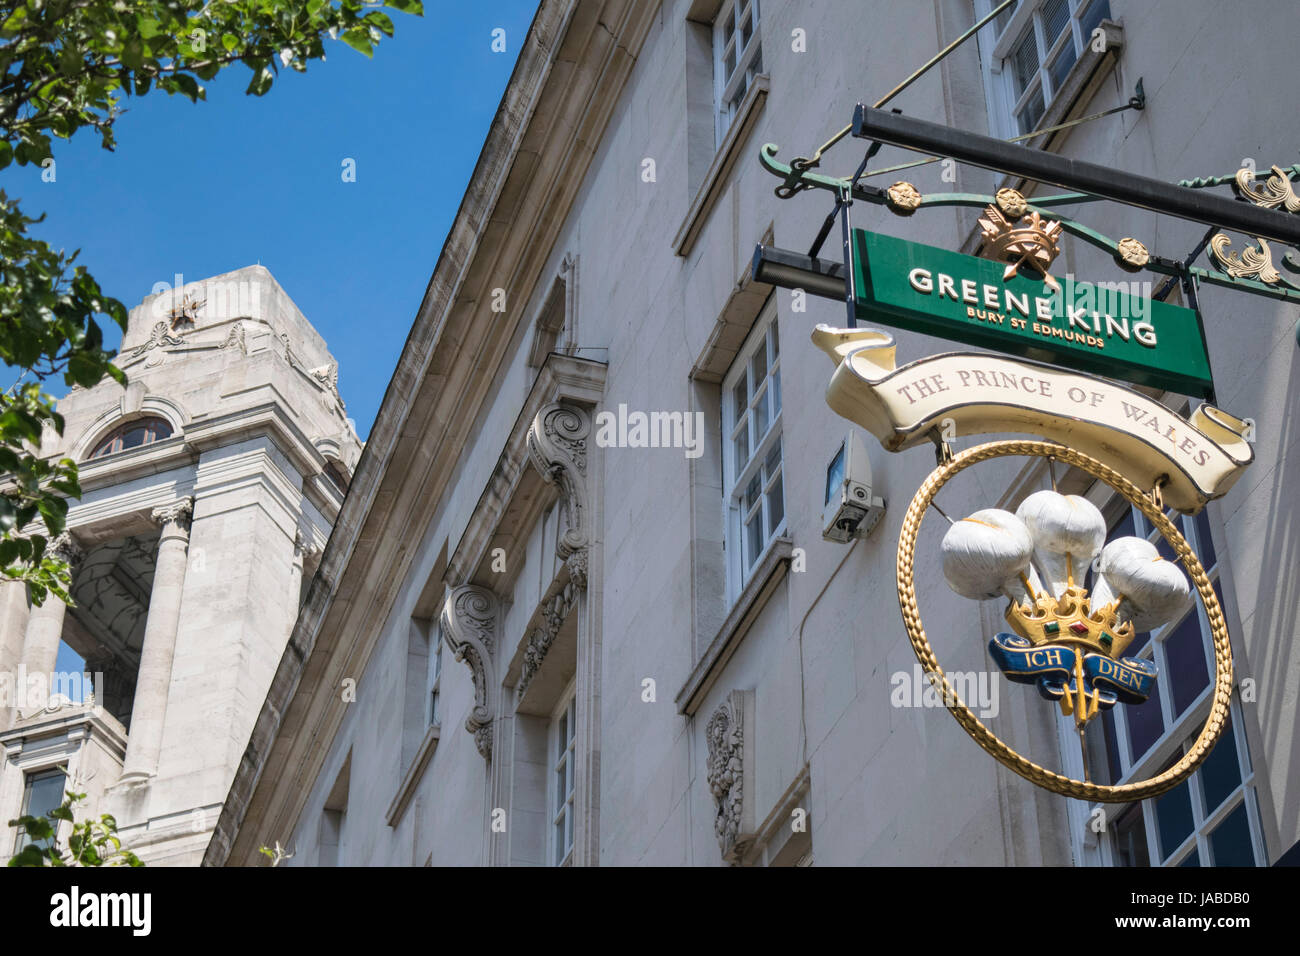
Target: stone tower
[[210, 484]]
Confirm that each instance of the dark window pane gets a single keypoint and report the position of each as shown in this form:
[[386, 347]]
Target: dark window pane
[[1192, 859], [1230, 841], [1112, 748], [1174, 818], [1185, 654], [1131, 838], [1097, 11], [1220, 774], [1056, 17], [1204, 543], [1139, 641], [1032, 113], [1061, 66], [1123, 527], [1145, 724], [1024, 60]]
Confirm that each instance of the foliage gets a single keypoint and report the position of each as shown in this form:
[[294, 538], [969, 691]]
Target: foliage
[[68, 65], [92, 842]]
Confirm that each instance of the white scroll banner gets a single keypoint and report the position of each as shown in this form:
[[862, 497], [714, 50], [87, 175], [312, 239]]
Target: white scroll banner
[[976, 393]]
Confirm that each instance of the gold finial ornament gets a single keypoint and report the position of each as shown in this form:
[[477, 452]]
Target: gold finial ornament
[[1083, 705], [903, 198], [1012, 203], [1019, 240], [1132, 255]]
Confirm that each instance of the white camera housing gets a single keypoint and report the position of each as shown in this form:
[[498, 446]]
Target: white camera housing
[[851, 510]]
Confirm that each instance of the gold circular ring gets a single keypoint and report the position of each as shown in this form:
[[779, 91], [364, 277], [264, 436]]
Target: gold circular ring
[[1058, 783]]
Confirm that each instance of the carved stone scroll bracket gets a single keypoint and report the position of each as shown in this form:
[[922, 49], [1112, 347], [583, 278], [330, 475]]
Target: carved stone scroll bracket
[[469, 623], [557, 447], [730, 737]]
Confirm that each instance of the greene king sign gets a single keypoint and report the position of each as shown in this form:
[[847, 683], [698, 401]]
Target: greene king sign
[[1081, 326]]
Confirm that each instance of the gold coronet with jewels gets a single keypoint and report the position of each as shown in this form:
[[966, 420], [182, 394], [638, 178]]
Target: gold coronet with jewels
[[1070, 620]]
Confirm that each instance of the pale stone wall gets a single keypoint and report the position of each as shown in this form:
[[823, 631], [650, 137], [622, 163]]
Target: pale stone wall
[[886, 785]]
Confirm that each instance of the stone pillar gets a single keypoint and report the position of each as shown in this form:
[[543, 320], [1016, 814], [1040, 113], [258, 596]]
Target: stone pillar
[[144, 739], [45, 627]]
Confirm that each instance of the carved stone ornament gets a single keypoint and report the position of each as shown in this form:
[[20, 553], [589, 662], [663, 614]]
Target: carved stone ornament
[[178, 513], [160, 336], [727, 773], [469, 620], [236, 338], [557, 447], [66, 549], [540, 640]]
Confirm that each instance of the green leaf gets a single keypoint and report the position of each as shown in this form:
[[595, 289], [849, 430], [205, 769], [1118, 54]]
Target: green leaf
[[359, 39], [261, 82]]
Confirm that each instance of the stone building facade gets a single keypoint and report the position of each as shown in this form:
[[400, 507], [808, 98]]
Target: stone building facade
[[210, 484], [578, 608]]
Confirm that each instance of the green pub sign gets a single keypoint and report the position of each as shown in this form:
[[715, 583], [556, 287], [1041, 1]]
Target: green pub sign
[[1099, 328]]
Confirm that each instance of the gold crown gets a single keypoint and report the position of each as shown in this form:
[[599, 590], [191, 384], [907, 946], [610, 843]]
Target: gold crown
[[1069, 620]]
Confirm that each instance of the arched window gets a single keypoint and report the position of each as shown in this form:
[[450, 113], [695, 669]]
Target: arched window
[[140, 431]]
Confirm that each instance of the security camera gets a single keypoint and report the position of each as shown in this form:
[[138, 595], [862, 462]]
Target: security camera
[[851, 510]]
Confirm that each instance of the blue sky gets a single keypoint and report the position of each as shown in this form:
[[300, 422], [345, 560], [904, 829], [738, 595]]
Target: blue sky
[[201, 189]]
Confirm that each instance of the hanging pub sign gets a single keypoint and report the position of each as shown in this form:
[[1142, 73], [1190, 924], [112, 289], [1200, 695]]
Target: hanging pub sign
[[1075, 602], [1093, 328]]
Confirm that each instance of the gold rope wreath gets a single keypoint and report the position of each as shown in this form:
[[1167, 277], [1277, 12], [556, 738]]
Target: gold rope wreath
[[1031, 771]]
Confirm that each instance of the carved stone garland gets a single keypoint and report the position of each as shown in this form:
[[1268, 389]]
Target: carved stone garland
[[540, 640], [725, 733], [469, 620]]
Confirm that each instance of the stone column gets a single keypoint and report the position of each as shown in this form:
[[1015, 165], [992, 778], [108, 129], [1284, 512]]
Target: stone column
[[144, 739], [45, 627]]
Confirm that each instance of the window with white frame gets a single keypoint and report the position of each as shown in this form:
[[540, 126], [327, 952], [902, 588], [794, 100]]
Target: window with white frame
[[752, 466], [1032, 47], [435, 676], [1212, 818], [562, 745], [42, 792], [737, 58]]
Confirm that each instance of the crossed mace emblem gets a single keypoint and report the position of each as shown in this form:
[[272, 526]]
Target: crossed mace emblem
[[1019, 239]]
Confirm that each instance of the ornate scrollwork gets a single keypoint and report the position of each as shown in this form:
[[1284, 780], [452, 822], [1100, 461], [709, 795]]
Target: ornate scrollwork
[[1254, 262], [160, 336], [557, 447], [1273, 192], [235, 339], [469, 618]]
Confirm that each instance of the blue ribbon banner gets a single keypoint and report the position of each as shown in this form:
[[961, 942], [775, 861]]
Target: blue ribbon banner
[[1128, 680]]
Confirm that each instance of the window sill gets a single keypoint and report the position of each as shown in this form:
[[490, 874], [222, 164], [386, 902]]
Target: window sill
[[771, 570], [413, 775], [728, 152]]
